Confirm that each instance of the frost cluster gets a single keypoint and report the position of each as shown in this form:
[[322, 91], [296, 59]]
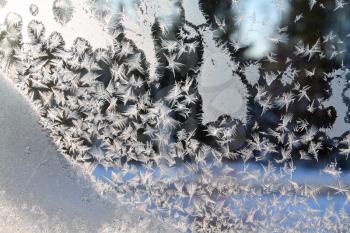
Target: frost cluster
[[169, 105]]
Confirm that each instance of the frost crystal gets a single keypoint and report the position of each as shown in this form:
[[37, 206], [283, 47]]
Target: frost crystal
[[186, 118], [34, 10], [63, 11]]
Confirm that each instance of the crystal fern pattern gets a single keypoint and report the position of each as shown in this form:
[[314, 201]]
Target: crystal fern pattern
[[151, 109]]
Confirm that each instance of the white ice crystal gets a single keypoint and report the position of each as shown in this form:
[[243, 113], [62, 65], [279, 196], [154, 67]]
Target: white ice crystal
[[82, 24], [163, 109]]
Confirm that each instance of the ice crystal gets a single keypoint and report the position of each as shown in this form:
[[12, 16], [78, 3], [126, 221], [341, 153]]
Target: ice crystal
[[3, 3], [34, 10], [164, 107], [63, 11]]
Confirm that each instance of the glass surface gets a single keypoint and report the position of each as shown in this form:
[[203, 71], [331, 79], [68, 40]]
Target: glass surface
[[200, 115]]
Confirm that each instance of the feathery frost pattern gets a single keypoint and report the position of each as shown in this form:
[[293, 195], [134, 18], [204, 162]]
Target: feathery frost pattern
[[182, 125]]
